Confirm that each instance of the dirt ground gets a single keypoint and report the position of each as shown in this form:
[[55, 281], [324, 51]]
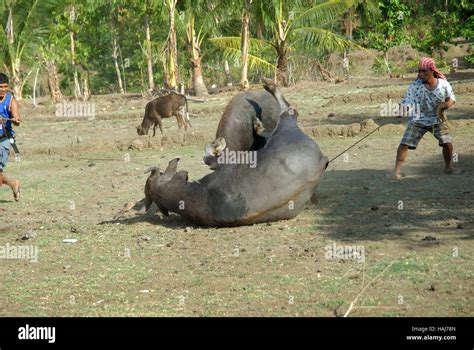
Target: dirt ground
[[416, 234]]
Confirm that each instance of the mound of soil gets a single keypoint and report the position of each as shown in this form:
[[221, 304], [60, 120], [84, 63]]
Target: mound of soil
[[360, 62], [459, 51], [399, 55], [384, 96], [349, 130]]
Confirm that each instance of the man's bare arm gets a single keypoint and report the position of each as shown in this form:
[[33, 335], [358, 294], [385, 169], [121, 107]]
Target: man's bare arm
[[15, 110], [445, 105]]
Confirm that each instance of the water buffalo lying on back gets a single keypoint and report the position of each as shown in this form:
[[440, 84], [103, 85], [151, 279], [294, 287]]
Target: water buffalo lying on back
[[289, 168], [166, 106]]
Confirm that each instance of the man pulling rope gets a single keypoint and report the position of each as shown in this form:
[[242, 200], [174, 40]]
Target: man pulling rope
[[425, 102]]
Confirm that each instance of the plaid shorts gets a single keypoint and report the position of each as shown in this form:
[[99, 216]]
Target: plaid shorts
[[415, 132]]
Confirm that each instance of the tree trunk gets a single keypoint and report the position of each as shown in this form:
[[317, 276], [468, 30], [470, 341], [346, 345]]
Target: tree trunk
[[77, 84], [15, 61], [34, 87], [282, 66], [122, 65], [164, 62], [86, 94], [227, 73], [348, 24], [199, 86], [53, 82], [17, 82], [117, 67], [173, 76], [244, 45], [115, 48], [260, 28], [385, 60], [282, 54], [345, 64], [348, 27], [9, 28], [151, 83]]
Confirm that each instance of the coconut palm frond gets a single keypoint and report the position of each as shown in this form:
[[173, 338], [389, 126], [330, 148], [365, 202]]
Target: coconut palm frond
[[234, 42], [324, 12], [234, 54], [324, 40], [31, 19]]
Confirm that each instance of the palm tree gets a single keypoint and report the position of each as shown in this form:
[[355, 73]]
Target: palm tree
[[73, 13], [148, 6], [293, 23], [244, 43], [172, 76], [199, 22], [48, 58], [114, 19], [364, 10], [22, 25], [210, 18], [244, 50]]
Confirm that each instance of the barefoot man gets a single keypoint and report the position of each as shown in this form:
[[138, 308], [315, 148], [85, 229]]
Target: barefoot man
[[427, 96], [8, 114]]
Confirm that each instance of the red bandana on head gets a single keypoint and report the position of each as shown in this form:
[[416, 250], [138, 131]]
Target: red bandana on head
[[429, 63]]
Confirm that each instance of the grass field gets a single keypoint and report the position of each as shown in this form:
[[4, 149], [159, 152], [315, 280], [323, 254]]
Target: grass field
[[416, 233]]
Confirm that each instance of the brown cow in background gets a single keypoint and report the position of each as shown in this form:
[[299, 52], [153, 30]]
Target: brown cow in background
[[173, 104]]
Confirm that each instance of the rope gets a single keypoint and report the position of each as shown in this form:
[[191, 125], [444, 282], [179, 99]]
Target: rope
[[107, 159], [340, 154], [147, 165]]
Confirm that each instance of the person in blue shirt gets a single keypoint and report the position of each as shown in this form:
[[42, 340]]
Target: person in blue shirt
[[9, 114]]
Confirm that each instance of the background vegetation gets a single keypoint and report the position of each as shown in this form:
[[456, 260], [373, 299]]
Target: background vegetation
[[83, 47]]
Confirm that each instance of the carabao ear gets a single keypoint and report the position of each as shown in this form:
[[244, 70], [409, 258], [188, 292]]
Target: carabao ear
[[153, 170], [219, 145], [172, 167], [258, 126], [214, 148], [269, 85]]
